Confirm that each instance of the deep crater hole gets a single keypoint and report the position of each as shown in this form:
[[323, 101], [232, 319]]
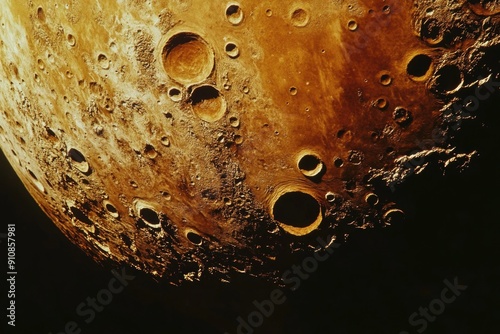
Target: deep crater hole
[[296, 209], [449, 78], [309, 163], [150, 216], [76, 156], [194, 237], [419, 66]]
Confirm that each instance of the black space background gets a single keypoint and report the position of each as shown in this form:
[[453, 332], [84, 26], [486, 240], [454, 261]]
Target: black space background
[[370, 285]]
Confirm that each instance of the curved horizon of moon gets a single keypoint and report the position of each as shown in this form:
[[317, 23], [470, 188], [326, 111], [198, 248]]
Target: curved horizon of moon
[[188, 138]]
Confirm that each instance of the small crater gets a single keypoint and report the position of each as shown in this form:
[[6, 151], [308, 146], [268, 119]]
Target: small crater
[[338, 162], [331, 197], [344, 135], [41, 64], [300, 17], [431, 31], [381, 103], [166, 195], [238, 140], [402, 116], [311, 165], [341, 133], [150, 152], [52, 135], [232, 50], [385, 78], [111, 209], [165, 141], [234, 14], [351, 185], [355, 157], [40, 14], [71, 40], [352, 25], [394, 216], [293, 91], [169, 116], [103, 61], [109, 104], [194, 237], [234, 122], [372, 199], [78, 161], [175, 94]]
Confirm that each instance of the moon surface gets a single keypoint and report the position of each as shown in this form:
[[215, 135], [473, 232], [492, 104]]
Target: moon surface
[[190, 138]]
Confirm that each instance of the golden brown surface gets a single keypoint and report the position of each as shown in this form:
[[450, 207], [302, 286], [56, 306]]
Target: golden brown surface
[[193, 137]]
